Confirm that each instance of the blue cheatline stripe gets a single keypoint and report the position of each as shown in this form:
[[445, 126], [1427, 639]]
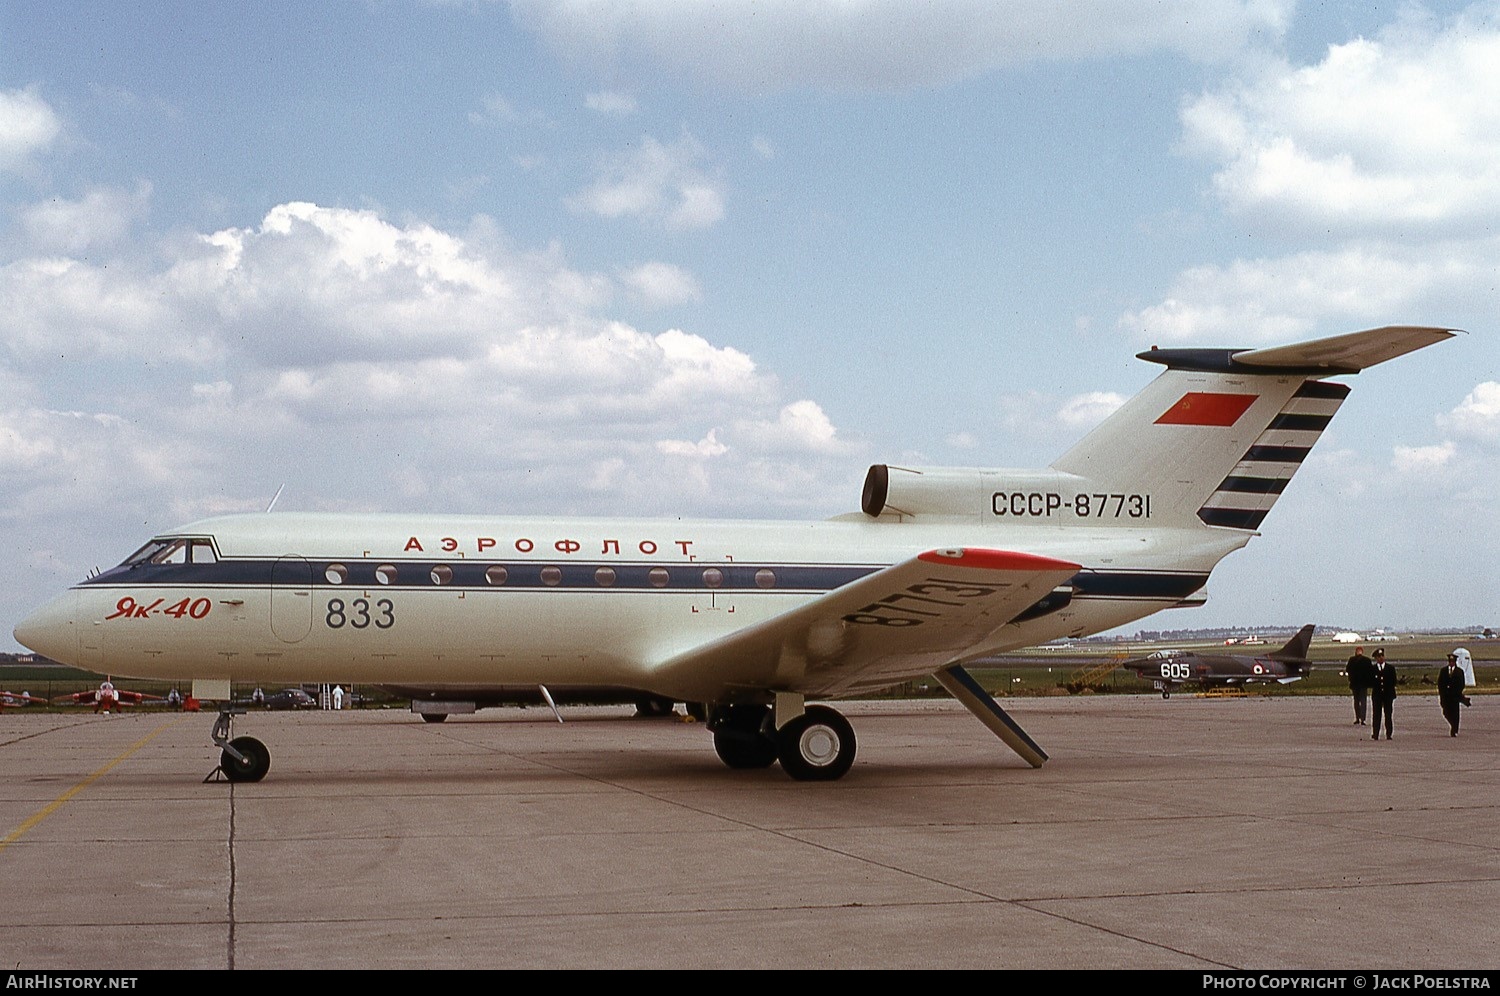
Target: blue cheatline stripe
[[1172, 585], [470, 575], [360, 575]]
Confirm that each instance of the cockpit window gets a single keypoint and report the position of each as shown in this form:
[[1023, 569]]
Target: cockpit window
[[147, 553], [174, 551]]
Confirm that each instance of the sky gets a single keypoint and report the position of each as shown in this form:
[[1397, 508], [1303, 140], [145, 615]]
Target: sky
[[714, 259]]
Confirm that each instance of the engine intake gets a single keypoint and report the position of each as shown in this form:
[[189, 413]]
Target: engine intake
[[962, 492]]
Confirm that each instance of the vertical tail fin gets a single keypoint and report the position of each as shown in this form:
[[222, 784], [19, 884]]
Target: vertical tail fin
[[1296, 647], [1215, 439]]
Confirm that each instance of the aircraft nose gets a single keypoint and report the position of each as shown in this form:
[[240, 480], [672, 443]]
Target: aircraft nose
[[52, 630]]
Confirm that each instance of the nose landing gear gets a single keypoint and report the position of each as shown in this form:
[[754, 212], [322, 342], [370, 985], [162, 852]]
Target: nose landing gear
[[243, 759]]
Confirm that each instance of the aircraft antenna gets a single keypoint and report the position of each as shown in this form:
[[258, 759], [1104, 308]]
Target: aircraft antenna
[[276, 497]]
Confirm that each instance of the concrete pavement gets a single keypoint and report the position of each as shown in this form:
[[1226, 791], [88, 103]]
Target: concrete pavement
[[1190, 833]]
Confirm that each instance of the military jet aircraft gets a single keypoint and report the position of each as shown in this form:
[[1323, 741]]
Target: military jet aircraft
[[17, 700], [107, 697], [1169, 669]]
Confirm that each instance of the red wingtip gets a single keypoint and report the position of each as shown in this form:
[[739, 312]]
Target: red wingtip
[[996, 560]]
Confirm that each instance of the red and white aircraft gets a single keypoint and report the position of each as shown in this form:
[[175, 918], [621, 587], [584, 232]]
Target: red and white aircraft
[[749, 618], [16, 700], [106, 698]]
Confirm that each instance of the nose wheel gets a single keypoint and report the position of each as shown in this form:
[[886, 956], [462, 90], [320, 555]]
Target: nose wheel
[[243, 759], [251, 764]]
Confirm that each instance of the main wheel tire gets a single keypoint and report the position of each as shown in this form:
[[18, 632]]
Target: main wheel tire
[[255, 765], [738, 739], [817, 746], [434, 717]]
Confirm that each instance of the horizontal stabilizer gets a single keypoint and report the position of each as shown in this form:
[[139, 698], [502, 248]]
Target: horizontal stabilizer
[[1349, 353]]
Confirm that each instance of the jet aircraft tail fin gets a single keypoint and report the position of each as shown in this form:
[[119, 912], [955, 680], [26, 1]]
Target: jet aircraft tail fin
[[1217, 436], [1296, 647], [1212, 441]]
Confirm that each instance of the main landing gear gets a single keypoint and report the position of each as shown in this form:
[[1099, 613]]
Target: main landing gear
[[654, 707], [816, 746], [243, 759]]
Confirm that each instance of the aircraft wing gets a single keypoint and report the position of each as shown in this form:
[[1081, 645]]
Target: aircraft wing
[[903, 622]]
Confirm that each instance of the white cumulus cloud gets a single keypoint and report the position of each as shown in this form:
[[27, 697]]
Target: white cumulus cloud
[[369, 364], [856, 45], [801, 425], [101, 217], [610, 102], [1398, 130], [656, 182], [1422, 459], [708, 446], [660, 285], [28, 126], [1478, 416], [1280, 299], [1089, 409]]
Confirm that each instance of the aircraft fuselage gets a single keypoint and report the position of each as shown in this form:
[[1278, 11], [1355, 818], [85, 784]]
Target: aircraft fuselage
[[386, 598]]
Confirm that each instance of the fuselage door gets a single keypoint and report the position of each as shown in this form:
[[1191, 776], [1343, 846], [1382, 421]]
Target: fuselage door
[[291, 599], [90, 635]]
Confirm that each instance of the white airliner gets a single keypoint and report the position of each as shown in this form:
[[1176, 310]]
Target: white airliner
[[752, 618]]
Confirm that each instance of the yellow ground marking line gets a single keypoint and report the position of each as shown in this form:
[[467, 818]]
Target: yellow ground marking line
[[57, 803]]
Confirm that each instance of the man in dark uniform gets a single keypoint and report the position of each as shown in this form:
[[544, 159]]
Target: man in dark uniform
[[1361, 676], [1384, 693], [1450, 684]]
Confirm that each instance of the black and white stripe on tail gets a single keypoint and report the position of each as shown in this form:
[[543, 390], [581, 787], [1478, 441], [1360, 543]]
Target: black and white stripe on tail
[[1243, 498]]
